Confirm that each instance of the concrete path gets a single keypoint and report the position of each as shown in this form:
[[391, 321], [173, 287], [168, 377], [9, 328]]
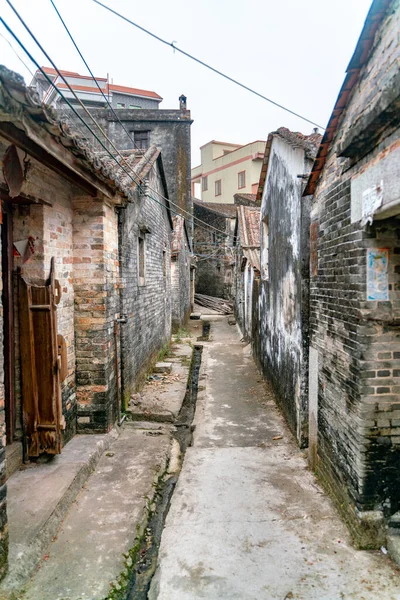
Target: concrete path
[[87, 555], [248, 520]]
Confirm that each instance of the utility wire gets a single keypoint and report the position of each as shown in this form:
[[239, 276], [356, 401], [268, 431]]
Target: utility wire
[[16, 53], [206, 65], [91, 73], [92, 118]]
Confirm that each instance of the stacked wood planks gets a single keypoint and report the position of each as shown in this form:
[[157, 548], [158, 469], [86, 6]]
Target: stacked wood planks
[[219, 305]]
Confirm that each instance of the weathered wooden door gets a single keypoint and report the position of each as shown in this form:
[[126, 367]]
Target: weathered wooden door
[[40, 366]]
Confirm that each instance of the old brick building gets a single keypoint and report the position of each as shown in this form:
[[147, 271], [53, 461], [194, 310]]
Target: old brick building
[[281, 342], [354, 391], [213, 246], [86, 276], [168, 130]]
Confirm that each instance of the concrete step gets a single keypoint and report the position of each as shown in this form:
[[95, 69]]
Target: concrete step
[[40, 495]]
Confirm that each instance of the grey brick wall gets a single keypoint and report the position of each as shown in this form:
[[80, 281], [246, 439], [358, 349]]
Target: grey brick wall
[[169, 131], [356, 341], [214, 275], [147, 308]]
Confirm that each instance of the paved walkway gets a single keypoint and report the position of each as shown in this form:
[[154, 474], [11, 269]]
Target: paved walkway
[[248, 520]]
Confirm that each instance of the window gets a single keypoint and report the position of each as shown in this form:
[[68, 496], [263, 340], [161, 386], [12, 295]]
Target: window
[[141, 259], [265, 249], [120, 104], [218, 187], [204, 184], [133, 106], [241, 180], [141, 139]]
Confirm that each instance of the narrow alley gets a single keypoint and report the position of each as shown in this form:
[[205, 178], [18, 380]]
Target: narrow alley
[[248, 520]]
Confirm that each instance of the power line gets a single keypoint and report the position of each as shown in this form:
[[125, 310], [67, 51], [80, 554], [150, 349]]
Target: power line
[[206, 65], [16, 53], [207, 228], [91, 73], [92, 118]]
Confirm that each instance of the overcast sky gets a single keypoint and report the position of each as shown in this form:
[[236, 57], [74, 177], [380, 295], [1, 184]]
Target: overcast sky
[[293, 51]]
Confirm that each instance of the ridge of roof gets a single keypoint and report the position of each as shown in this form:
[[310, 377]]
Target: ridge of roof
[[309, 143], [21, 106]]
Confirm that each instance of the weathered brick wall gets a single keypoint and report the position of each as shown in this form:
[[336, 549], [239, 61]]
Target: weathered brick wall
[[283, 305], [147, 308], [95, 280], [355, 341], [180, 286], [169, 131], [215, 261], [51, 229]]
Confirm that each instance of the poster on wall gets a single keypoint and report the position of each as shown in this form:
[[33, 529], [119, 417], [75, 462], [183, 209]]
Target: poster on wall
[[377, 274]]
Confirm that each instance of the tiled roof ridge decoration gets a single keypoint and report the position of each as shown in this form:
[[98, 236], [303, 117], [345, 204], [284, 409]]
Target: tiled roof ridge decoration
[[310, 143], [19, 104]]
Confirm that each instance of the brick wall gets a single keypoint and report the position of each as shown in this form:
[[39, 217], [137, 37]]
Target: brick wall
[[355, 341], [51, 229], [95, 280], [169, 131], [215, 260], [147, 307]]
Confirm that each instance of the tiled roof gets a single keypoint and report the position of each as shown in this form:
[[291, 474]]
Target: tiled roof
[[249, 233], [247, 197], [249, 226], [21, 106], [133, 91], [226, 210], [133, 161]]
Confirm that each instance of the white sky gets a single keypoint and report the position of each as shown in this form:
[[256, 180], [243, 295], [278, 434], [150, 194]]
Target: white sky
[[293, 51]]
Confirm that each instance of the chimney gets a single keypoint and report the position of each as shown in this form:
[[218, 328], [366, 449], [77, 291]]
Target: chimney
[[315, 130], [182, 102]]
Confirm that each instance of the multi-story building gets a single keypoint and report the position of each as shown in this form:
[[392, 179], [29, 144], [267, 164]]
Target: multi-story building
[[87, 90], [227, 169]]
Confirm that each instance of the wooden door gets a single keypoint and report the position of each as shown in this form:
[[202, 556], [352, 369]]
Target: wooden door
[[8, 319], [40, 366]]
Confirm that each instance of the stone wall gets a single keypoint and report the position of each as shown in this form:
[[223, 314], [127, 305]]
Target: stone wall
[[354, 396], [147, 307], [284, 290]]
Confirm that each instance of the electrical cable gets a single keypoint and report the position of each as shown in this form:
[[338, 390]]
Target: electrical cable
[[91, 73], [92, 118], [206, 65]]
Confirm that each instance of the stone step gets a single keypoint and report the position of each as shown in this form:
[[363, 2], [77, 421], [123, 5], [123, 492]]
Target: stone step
[[39, 497]]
